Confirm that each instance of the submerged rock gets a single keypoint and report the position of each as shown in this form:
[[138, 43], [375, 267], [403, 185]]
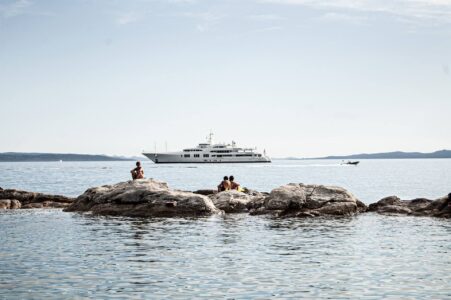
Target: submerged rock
[[15, 199], [142, 198], [308, 200], [418, 207]]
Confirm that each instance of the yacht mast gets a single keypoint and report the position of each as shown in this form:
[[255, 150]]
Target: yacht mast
[[210, 138]]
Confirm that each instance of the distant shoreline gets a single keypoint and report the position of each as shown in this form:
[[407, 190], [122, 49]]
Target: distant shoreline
[[383, 155], [54, 157]]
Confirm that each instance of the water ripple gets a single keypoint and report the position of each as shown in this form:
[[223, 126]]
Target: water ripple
[[56, 255]]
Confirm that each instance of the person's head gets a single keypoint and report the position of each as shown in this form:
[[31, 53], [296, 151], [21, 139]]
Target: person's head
[[138, 164], [226, 178], [231, 178]]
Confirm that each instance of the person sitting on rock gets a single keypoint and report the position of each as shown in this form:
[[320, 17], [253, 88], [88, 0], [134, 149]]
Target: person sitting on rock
[[234, 185], [224, 185], [138, 172]]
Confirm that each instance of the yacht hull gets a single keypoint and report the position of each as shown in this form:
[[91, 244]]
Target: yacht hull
[[178, 158]]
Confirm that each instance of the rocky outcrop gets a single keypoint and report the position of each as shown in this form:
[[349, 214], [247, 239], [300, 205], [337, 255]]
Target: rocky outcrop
[[142, 198], [205, 192], [418, 207], [10, 204], [233, 201], [307, 200], [152, 198], [15, 199]]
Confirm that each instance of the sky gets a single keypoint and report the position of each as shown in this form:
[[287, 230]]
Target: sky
[[298, 78]]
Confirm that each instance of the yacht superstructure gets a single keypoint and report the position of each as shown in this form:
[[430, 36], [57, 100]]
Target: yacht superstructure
[[210, 153]]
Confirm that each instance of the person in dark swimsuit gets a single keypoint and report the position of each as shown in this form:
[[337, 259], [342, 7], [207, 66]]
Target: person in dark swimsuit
[[224, 185], [138, 172], [234, 185]]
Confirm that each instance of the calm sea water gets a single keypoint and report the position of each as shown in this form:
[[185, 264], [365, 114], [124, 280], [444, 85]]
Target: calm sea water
[[50, 254], [369, 181]]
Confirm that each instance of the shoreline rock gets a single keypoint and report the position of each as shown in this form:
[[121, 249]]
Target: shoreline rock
[[308, 200], [440, 207], [233, 201], [18, 199], [142, 198], [152, 198]]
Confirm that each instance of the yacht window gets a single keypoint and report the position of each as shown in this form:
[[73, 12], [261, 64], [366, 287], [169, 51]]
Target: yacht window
[[196, 155], [206, 155], [187, 155]]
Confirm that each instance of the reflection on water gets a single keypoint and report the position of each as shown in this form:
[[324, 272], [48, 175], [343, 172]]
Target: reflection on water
[[51, 254]]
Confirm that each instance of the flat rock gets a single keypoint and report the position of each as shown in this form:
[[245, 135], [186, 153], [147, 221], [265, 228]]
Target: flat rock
[[440, 207], [142, 198], [308, 200], [15, 199]]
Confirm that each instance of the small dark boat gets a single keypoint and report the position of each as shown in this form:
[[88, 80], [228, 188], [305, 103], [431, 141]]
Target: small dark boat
[[355, 163]]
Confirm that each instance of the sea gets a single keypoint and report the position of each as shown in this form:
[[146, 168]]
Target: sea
[[51, 254]]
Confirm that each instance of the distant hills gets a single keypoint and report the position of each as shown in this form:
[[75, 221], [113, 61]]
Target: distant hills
[[30, 157], [35, 157], [387, 155]]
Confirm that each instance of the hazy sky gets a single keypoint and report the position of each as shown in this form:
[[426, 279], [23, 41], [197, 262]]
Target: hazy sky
[[296, 77]]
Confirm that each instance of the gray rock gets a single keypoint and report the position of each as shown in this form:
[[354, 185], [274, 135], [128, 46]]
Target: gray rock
[[418, 207], [233, 201], [361, 207], [142, 198], [23, 199], [5, 204], [10, 204], [395, 209], [15, 204], [337, 208], [33, 205], [205, 192], [302, 200]]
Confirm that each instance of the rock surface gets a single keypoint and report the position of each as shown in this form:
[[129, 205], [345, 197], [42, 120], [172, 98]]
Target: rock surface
[[205, 192], [418, 207], [10, 204], [142, 198], [148, 197], [15, 199], [307, 200], [234, 201]]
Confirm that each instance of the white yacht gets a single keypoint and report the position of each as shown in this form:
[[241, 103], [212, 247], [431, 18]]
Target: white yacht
[[210, 153]]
